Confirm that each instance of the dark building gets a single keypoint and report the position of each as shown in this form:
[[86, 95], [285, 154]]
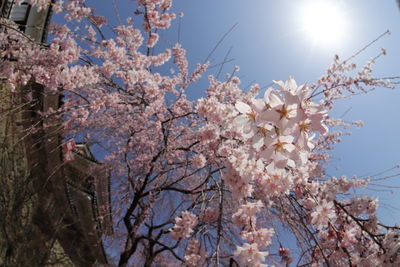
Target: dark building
[[30, 21], [67, 211]]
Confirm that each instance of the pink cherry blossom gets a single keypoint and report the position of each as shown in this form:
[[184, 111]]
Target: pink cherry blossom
[[249, 254], [184, 225], [323, 214]]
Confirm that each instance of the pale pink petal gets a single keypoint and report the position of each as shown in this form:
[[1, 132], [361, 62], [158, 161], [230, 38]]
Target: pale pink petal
[[291, 85], [240, 121], [258, 104], [269, 115], [272, 98], [242, 107], [286, 139], [258, 141], [267, 153], [289, 147], [281, 84]]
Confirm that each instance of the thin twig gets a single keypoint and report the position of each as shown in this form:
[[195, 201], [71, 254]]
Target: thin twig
[[223, 63], [219, 42], [116, 12]]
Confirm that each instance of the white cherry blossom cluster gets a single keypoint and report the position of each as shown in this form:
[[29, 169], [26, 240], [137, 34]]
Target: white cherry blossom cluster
[[184, 225], [257, 239], [276, 134], [250, 255], [274, 137], [195, 255], [324, 212], [343, 227], [246, 214]]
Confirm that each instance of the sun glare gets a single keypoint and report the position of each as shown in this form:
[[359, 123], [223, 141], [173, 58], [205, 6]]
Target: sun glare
[[323, 22]]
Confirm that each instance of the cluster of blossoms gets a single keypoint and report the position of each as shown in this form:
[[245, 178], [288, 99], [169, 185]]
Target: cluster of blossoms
[[195, 255], [237, 157], [323, 214], [271, 137], [272, 152], [336, 83], [184, 225], [76, 11], [344, 227], [276, 131]]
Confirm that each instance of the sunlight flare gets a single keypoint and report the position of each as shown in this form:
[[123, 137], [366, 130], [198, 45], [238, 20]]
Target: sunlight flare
[[323, 22]]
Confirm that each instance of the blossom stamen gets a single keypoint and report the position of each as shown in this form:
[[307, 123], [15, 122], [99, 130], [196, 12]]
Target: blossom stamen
[[284, 112], [252, 116]]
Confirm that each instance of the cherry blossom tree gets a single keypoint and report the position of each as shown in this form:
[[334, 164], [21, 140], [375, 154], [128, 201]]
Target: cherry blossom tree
[[209, 182]]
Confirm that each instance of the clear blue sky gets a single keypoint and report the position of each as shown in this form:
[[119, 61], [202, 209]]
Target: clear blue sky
[[268, 44]]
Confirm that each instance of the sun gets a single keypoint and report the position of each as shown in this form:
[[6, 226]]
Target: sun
[[323, 22]]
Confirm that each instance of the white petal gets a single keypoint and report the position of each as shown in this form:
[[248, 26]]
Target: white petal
[[279, 160], [268, 140], [267, 153], [290, 163], [291, 85], [258, 104], [289, 147], [286, 139], [249, 128], [303, 156], [280, 84], [322, 129], [269, 116], [242, 107], [272, 98], [240, 121], [258, 141]]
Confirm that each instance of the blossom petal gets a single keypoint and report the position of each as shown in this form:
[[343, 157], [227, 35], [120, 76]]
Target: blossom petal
[[239, 122], [291, 85], [258, 141], [272, 98], [242, 107]]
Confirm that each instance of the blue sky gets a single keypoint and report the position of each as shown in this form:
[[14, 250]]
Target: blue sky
[[268, 44]]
